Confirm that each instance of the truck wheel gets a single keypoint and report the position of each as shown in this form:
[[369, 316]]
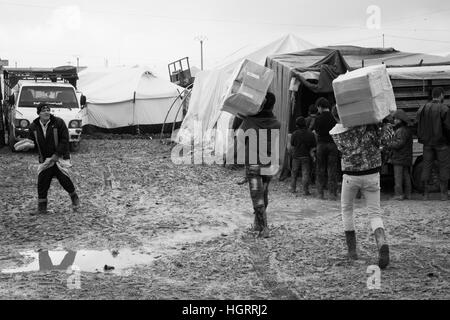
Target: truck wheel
[[74, 146], [434, 180]]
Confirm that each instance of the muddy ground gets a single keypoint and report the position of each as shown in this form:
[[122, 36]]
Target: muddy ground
[[187, 228]]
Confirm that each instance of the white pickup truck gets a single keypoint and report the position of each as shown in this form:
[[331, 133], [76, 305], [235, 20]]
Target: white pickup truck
[[30, 87]]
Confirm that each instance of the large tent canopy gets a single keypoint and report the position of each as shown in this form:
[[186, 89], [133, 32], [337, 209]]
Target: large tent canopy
[[210, 88], [127, 96]]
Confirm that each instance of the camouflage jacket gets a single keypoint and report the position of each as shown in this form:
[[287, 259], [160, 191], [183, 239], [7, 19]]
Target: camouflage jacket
[[361, 146]]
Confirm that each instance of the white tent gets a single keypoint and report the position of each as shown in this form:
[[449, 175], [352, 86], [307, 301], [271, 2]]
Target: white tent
[[204, 121], [127, 96]]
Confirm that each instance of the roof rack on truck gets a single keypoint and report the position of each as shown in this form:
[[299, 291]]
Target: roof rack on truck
[[65, 73]]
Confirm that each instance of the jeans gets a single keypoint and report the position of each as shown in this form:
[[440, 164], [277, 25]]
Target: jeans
[[402, 177], [370, 188], [45, 179], [442, 155], [305, 164], [327, 163]]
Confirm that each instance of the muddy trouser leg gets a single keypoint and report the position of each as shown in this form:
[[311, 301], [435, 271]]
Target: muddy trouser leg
[[398, 177], [296, 163], [306, 174], [266, 181], [371, 190], [44, 181], [255, 182], [350, 187], [443, 156], [64, 181], [332, 167], [428, 159], [321, 167], [407, 181]]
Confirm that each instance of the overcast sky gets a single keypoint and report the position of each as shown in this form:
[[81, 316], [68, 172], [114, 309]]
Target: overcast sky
[[48, 33]]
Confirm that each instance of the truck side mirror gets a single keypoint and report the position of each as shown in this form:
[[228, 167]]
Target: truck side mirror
[[11, 100], [83, 101]]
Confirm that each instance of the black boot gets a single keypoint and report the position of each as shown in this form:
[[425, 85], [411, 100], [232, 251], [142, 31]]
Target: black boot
[[42, 207], [256, 223], [426, 192], [75, 200], [265, 228], [444, 190], [383, 248], [350, 237]]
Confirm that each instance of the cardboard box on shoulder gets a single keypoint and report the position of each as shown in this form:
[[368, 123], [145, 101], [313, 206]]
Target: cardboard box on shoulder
[[364, 96], [248, 89]]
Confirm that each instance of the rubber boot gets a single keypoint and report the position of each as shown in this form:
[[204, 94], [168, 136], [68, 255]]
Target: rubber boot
[[256, 224], [320, 193], [444, 190], [42, 207], [426, 192], [75, 200], [265, 230], [306, 191], [350, 237], [383, 248]]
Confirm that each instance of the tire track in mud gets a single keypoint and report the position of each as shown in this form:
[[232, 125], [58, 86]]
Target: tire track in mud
[[260, 258]]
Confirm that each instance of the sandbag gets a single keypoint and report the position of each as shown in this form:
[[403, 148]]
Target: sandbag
[[24, 145]]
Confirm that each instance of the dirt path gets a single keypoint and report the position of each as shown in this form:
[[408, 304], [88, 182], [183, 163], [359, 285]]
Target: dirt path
[[190, 228]]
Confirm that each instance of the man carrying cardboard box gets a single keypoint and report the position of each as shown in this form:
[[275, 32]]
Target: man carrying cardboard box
[[361, 166], [256, 168]]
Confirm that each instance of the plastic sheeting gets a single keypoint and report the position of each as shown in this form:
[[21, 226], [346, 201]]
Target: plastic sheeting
[[210, 88], [420, 73]]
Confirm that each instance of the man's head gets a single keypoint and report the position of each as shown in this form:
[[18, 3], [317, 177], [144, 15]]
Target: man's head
[[43, 110], [300, 122], [323, 104], [400, 116], [269, 102], [438, 94], [312, 110]]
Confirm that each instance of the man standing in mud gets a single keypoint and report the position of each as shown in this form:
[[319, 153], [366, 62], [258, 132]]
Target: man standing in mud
[[51, 138], [433, 131], [257, 170]]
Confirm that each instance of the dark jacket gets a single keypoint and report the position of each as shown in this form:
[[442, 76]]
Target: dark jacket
[[263, 120], [402, 146], [433, 124], [323, 124], [47, 144], [302, 141]]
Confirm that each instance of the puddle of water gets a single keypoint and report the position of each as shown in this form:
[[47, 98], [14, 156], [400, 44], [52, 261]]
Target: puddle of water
[[85, 260]]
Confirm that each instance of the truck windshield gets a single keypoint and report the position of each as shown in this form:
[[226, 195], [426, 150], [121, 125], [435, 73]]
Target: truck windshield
[[58, 97]]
